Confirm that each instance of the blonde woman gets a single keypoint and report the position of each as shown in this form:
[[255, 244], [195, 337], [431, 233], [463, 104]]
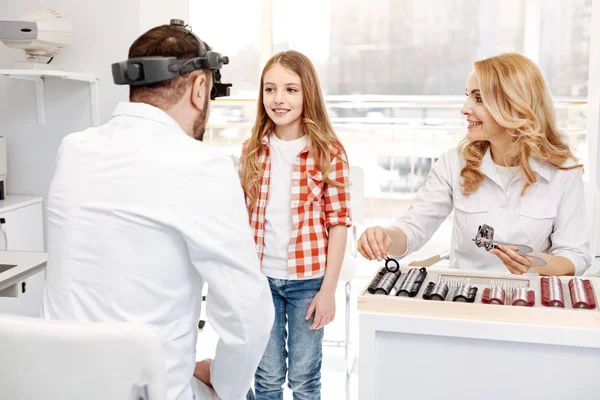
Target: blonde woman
[[513, 171]]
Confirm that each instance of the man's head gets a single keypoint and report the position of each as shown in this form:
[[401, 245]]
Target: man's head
[[186, 97]]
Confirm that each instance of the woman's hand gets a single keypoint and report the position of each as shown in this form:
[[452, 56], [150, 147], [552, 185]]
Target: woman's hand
[[323, 306], [374, 243], [515, 263]]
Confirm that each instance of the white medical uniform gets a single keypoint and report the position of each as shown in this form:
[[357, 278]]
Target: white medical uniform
[[550, 217], [139, 216]]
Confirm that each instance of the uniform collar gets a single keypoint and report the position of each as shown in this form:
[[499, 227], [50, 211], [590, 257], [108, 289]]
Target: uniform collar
[[145, 111], [541, 168]]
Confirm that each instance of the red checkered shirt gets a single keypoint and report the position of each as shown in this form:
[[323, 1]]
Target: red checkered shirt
[[316, 206]]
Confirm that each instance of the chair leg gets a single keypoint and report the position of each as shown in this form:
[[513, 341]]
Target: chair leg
[[347, 341]]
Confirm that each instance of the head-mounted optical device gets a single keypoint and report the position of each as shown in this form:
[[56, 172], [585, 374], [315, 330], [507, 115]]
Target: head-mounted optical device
[[141, 71]]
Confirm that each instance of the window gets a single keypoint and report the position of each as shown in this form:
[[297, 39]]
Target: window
[[565, 45], [397, 47], [403, 174], [394, 73], [236, 35]]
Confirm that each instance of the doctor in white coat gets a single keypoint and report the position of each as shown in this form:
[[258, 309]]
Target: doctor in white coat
[[514, 171], [141, 213]]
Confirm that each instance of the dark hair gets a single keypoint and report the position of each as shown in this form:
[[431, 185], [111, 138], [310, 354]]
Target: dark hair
[[165, 41]]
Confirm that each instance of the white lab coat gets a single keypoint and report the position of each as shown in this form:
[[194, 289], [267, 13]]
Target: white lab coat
[[139, 215], [550, 217]]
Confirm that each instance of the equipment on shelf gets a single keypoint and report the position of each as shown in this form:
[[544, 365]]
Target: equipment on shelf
[[42, 34], [471, 287]]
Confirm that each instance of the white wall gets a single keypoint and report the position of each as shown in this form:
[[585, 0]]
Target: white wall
[[154, 12], [103, 32]]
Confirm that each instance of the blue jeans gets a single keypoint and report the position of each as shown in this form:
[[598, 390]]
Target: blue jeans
[[291, 299]]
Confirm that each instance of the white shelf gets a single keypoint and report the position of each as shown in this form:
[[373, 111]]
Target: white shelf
[[12, 202], [38, 76]]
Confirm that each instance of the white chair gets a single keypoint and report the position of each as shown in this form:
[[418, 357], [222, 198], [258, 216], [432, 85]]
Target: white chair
[[348, 271], [42, 359]]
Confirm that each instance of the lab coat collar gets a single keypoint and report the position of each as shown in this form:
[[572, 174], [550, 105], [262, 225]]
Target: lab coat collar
[[542, 168], [147, 112], [489, 169]]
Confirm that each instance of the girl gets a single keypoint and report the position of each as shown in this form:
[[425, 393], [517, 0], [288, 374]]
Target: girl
[[294, 172], [513, 172]]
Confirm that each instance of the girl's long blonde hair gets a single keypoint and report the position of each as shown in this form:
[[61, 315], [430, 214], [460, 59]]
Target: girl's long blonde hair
[[315, 124], [515, 93]]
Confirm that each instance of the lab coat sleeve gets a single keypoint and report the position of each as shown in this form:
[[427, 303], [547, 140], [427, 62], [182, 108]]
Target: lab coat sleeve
[[221, 247], [240, 168], [432, 204], [569, 237]]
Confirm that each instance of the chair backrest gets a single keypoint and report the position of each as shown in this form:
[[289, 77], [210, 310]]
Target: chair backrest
[[357, 204], [592, 201], [41, 359], [357, 192]]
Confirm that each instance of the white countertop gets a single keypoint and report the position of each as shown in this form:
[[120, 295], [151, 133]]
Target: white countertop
[[12, 202], [27, 263], [577, 327]]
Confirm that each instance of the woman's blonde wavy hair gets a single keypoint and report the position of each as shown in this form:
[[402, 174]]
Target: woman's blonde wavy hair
[[515, 93], [315, 124]]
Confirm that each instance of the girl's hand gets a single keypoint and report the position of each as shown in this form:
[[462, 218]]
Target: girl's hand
[[515, 263], [374, 243], [323, 306]]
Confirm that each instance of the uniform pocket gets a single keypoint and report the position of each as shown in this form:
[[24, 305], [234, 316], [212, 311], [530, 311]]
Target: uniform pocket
[[315, 185], [472, 204], [537, 218], [469, 213]]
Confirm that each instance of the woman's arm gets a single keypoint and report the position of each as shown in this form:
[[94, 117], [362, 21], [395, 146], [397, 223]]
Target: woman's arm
[[569, 238], [376, 242], [516, 264], [556, 265], [569, 253]]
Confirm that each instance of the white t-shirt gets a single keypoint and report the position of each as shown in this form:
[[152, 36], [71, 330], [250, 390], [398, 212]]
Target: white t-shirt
[[278, 215], [506, 174]]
